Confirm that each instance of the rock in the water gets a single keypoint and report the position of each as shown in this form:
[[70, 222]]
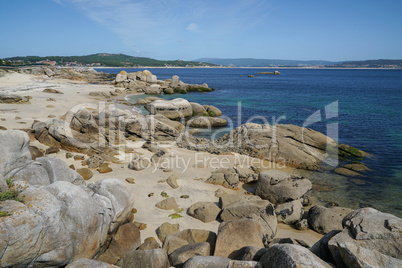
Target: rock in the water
[[288, 255], [290, 212], [347, 172], [198, 109], [370, 239], [167, 229], [181, 255], [233, 235], [154, 258], [227, 177], [212, 110], [167, 204], [279, 187], [323, 220], [204, 211], [173, 109], [207, 122], [207, 262], [261, 211]]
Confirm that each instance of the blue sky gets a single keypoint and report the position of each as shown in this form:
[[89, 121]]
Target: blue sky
[[190, 29]]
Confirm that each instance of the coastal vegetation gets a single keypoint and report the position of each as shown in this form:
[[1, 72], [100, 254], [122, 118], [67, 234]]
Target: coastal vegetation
[[9, 194], [105, 59]]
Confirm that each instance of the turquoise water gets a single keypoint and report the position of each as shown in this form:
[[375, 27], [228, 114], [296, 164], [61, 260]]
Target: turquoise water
[[369, 117]]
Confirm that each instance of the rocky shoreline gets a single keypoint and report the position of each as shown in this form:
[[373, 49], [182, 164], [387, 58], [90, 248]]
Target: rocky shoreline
[[89, 184]]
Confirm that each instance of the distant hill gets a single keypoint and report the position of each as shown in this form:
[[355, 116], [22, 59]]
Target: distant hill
[[250, 62], [397, 64], [103, 59]]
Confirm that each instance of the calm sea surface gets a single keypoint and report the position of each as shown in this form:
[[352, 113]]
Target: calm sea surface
[[369, 117]]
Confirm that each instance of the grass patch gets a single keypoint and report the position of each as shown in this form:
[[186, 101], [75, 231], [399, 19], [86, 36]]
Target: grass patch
[[9, 194]]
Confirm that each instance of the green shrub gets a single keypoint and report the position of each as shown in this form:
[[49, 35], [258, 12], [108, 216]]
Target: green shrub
[[9, 194]]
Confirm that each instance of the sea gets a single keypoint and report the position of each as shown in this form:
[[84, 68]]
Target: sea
[[358, 107]]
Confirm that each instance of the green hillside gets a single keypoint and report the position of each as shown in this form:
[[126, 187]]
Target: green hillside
[[104, 59]]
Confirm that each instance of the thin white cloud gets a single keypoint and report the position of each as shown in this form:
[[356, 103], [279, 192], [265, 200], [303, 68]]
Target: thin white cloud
[[155, 25], [193, 27]]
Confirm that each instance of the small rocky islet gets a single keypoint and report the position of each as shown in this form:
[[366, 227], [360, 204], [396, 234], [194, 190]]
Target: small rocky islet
[[55, 216]]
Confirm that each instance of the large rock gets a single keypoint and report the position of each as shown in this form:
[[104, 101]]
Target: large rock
[[228, 199], [321, 248], [173, 109], [167, 229], [198, 236], [287, 255], [181, 255], [153, 89], [323, 220], [283, 144], [153, 258], [126, 239], [227, 177], [198, 109], [233, 235], [261, 211], [370, 239], [207, 262], [121, 77], [289, 213], [59, 222], [58, 170], [212, 110], [280, 187], [84, 122], [204, 211], [207, 122], [172, 243]]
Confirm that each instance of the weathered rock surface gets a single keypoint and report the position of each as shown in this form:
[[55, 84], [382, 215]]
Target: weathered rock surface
[[172, 181], [149, 243], [167, 204], [207, 262], [181, 255], [250, 253], [323, 220], [280, 187], [154, 258], [321, 248], [284, 144], [204, 211], [138, 163], [212, 110], [171, 243], [370, 239], [173, 109], [207, 122], [167, 229], [198, 236], [262, 211], [88, 263], [287, 255], [289, 212], [233, 235], [61, 220], [228, 199], [227, 177], [13, 99]]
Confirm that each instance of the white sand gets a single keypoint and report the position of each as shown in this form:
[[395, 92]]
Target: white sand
[[146, 181]]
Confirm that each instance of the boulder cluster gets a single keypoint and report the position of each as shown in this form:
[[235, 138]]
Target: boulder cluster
[[56, 218], [146, 82]]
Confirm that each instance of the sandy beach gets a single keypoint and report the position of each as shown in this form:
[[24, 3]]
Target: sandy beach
[[191, 168]]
